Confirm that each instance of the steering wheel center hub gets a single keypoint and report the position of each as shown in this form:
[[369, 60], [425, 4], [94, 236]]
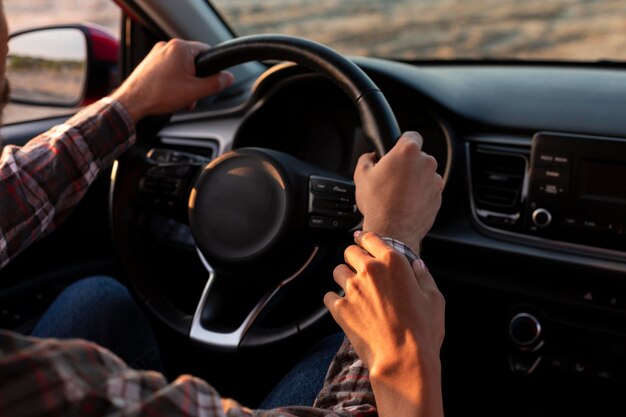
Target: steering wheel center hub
[[238, 207]]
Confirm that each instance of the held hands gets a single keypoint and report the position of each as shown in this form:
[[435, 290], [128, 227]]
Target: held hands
[[393, 314], [399, 195], [165, 81], [391, 311]]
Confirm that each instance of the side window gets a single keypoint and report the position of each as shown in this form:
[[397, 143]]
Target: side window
[[23, 15]]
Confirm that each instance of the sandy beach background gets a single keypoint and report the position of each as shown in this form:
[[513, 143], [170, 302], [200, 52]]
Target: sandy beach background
[[411, 29], [573, 29], [578, 30]]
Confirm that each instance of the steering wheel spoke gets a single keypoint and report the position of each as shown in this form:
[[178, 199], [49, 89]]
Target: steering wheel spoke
[[214, 322], [226, 313]]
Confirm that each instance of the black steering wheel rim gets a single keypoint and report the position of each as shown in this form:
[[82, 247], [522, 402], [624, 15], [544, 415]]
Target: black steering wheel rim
[[379, 127], [377, 118]]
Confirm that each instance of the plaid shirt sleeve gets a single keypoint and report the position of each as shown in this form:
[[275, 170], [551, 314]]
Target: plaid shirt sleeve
[[44, 377], [41, 182]]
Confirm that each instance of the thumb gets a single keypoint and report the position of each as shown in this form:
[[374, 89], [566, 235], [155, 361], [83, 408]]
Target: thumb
[[366, 161]]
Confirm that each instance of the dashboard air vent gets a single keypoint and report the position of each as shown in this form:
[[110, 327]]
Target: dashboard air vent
[[498, 183]]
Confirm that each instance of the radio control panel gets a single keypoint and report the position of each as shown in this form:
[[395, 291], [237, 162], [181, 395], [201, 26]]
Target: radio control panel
[[577, 190]]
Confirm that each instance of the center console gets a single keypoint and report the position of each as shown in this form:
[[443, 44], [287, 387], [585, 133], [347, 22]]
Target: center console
[[559, 195], [567, 192], [577, 190]]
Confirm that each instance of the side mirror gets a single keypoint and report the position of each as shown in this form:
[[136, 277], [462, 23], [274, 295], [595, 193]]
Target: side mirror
[[61, 66]]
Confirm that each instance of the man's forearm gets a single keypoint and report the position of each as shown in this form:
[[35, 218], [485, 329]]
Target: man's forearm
[[44, 180]]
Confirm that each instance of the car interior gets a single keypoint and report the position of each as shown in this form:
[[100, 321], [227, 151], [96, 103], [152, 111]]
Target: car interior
[[529, 247]]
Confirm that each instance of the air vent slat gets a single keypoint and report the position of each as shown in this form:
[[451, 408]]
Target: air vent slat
[[498, 181]]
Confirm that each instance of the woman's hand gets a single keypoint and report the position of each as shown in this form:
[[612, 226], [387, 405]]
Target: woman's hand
[[393, 314]]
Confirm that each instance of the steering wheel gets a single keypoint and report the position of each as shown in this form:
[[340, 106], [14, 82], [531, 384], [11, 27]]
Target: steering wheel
[[259, 218]]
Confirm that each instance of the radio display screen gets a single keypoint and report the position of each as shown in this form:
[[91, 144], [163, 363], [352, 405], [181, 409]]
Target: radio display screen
[[604, 180]]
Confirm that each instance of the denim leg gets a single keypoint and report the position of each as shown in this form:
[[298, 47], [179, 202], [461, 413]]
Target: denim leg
[[302, 384], [101, 310]]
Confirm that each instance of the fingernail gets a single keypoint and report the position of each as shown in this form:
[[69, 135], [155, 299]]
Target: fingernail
[[357, 233], [422, 265], [226, 79]]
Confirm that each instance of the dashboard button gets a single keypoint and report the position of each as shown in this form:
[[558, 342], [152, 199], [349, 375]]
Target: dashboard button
[[552, 188], [542, 217], [570, 221], [524, 329], [552, 174], [545, 158], [561, 159]]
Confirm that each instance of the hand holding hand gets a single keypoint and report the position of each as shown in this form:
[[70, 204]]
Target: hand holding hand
[[165, 81], [389, 306], [400, 195], [393, 314]]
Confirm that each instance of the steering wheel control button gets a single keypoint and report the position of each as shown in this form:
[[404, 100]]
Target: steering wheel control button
[[332, 203], [524, 330], [340, 189], [321, 222], [345, 208], [163, 186], [320, 186], [169, 156], [542, 218]]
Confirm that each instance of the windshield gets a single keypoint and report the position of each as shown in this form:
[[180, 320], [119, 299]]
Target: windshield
[[579, 30]]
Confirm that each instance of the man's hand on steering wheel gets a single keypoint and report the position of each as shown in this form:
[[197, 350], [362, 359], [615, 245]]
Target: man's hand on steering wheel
[[165, 81], [400, 195], [248, 207]]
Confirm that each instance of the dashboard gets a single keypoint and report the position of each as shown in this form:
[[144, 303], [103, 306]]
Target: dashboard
[[529, 247]]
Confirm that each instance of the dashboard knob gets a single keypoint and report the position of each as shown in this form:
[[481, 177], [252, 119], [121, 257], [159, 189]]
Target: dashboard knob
[[524, 329], [542, 217]]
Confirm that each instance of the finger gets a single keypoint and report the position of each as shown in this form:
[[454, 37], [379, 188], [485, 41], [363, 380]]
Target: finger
[[341, 274], [424, 279], [372, 243], [214, 83], [412, 136], [356, 257], [158, 46], [331, 300], [365, 162], [439, 183], [196, 48]]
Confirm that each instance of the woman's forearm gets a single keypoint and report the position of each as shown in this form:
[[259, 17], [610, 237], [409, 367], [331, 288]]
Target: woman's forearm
[[410, 388]]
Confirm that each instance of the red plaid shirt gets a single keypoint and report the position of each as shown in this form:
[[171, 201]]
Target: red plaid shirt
[[43, 181], [40, 184], [49, 377]]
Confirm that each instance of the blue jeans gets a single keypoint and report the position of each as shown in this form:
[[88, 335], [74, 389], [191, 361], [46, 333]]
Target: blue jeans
[[101, 310], [302, 384]]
